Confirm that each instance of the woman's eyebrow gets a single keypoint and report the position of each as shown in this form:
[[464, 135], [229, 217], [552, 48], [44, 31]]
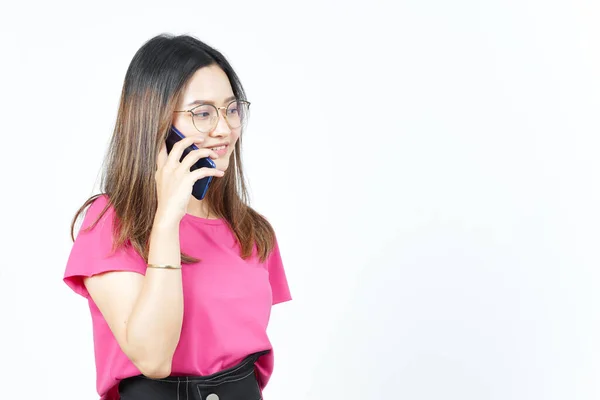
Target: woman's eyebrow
[[195, 102]]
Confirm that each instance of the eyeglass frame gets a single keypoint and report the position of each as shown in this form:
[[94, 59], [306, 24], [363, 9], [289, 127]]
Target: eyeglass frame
[[191, 111]]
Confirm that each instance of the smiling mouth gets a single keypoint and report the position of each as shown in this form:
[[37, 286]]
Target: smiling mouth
[[218, 147]]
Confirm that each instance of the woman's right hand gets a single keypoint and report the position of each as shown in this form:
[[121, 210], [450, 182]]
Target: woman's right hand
[[174, 181]]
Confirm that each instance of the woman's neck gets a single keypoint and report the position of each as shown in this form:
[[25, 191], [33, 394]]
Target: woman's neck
[[200, 208]]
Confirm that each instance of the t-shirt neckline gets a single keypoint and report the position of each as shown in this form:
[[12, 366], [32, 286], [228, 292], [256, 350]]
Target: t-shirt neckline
[[207, 221]]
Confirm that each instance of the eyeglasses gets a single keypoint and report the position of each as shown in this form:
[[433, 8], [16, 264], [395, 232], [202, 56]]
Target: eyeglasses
[[205, 117]]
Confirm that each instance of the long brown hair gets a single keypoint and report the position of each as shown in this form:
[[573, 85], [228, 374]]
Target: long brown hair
[[154, 81]]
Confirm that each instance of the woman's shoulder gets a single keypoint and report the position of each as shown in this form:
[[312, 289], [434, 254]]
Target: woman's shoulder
[[93, 252], [96, 207], [99, 201]]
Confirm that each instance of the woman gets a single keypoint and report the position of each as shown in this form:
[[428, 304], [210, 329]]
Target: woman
[[180, 287]]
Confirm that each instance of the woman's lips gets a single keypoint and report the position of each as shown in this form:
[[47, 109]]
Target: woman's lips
[[220, 150]]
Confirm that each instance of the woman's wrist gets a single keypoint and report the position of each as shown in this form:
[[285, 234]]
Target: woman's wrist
[[163, 221], [164, 241]]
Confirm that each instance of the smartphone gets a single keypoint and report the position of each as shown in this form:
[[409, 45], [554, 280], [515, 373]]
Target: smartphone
[[201, 185]]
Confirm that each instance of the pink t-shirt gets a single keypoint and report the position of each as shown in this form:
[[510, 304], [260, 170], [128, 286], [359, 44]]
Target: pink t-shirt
[[227, 300]]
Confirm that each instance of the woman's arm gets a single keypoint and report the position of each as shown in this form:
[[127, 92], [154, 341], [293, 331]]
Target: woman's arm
[[145, 313]]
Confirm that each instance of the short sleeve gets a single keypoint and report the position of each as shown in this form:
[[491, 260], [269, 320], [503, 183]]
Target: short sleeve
[[277, 277], [91, 252]]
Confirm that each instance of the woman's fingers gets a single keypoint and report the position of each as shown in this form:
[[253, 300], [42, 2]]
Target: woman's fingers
[[204, 172], [177, 150], [195, 155]]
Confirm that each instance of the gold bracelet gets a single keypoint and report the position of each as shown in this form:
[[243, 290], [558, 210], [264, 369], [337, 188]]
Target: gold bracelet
[[164, 266]]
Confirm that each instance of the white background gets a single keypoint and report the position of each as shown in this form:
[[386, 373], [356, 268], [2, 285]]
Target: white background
[[430, 168]]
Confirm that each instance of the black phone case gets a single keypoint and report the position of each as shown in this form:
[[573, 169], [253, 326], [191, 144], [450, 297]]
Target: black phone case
[[201, 185]]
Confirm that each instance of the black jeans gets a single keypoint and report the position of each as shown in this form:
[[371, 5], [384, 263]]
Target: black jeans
[[234, 383]]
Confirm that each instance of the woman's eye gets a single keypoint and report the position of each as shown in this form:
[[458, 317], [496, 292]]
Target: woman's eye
[[204, 112]]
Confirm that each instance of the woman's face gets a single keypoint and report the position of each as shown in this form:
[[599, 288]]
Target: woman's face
[[209, 85]]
